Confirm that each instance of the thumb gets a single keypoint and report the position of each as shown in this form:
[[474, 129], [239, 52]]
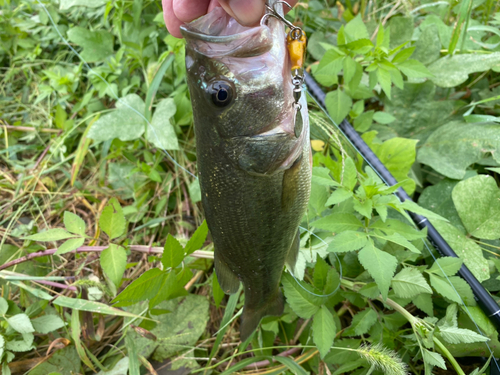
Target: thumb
[[246, 12]]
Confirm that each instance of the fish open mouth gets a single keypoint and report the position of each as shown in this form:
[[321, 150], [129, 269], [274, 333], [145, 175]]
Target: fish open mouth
[[218, 34]]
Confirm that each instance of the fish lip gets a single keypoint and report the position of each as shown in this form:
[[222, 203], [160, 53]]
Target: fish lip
[[220, 39]]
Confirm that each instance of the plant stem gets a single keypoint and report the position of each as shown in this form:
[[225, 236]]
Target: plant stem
[[448, 355]]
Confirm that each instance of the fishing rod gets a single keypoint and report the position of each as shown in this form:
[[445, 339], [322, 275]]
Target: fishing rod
[[481, 295]]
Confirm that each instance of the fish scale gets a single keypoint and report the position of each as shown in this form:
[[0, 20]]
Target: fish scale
[[254, 168]]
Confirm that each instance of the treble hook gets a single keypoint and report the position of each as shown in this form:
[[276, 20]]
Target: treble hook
[[295, 32]]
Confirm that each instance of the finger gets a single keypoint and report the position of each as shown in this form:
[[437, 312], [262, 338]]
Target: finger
[[248, 12], [171, 21], [188, 10]]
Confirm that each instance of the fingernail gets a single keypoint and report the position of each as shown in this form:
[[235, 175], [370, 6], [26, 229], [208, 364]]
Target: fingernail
[[247, 12]]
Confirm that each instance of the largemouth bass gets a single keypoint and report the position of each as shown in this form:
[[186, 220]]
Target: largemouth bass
[[254, 165]]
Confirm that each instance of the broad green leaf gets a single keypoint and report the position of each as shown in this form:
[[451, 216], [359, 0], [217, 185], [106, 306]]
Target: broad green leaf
[[177, 330], [293, 366], [364, 207], [328, 68], [21, 323], [403, 55], [456, 335], [356, 29], [217, 291], [66, 4], [400, 240], [168, 286], [120, 368], [409, 283], [113, 262], [383, 117], [197, 239], [384, 78], [451, 71], [321, 269], [321, 176], [398, 155], [456, 145], [363, 122], [477, 200], [428, 46], [74, 223], [24, 345], [338, 222], [444, 288], [160, 132], [434, 359], [144, 287], [55, 234], [380, 265], [349, 175], [417, 112], [448, 265], [323, 330], [4, 306], [124, 123], [302, 302], [2, 345], [338, 105], [112, 220], [466, 249], [347, 241], [173, 253], [69, 245], [338, 196], [392, 226], [414, 69], [400, 30], [413, 207], [97, 45], [463, 289], [481, 118], [47, 323], [361, 322], [424, 303], [437, 198]]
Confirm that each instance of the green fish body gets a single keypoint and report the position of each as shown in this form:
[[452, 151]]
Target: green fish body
[[254, 167]]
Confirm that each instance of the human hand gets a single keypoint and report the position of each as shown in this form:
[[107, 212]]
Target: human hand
[[178, 12]]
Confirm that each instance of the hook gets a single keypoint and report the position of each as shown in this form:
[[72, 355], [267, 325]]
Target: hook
[[295, 32]]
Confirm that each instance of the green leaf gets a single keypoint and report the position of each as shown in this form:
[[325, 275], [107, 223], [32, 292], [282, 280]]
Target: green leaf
[[451, 71], [460, 335], [338, 105], [347, 241], [302, 302], [456, 145], [356, 29], [47, 323], [197, 239], [400, 240], [55, 234], [380, 265], [466, 249], [217, 291], [424, 303], [144, 287], [400, 30], [160, 132], [195, 191], [363, 122], [437, 198], [448, 265], [383, 117], [4, 306], [338, 222], [293, 366], [69, 245], [112, 220], [477, 200], [403, 55], [338, 196], [324, 330], [321, 269], [123, 123], [349, 176], [444, 288], [113, 262], [97, 45], [392, 226], [414, 69], [364, 207], [413, 207], [74, 223], [409, 283], [361, 323], [173, 253], [2, 346], [23, 345], [428, 46], [433, 359], [21, 323], [481, 118], [321, 176]]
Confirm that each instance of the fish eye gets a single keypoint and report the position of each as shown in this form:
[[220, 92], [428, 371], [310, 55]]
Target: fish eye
[[222, 93]]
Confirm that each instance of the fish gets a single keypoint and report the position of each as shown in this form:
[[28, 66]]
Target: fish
[[254, 164]]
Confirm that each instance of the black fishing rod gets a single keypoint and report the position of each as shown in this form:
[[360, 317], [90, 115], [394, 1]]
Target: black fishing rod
[[483, 298]]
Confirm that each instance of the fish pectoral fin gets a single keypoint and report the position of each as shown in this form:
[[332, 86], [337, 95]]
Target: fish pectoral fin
[[293, 252], [228, 281], [252, 315]]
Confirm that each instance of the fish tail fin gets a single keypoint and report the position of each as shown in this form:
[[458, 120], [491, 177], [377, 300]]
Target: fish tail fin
[[252, 316], [293, 253]]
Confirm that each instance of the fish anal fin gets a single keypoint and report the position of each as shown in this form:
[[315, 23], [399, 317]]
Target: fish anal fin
[[293, 252], [251, 316], [228, 281]]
